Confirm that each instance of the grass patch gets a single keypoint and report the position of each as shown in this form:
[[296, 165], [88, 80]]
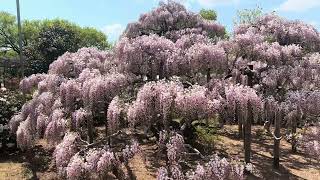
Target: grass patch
[[207, 134]]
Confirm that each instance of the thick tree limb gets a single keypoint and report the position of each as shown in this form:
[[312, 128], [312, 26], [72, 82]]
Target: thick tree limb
[[104, 140]]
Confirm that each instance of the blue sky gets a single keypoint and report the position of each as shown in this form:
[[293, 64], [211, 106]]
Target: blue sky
[[112, 16]]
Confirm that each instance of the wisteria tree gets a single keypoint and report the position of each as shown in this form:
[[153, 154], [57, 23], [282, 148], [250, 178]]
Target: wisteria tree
[[169, 70]]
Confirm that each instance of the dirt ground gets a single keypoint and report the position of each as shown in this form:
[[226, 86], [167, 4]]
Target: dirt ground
[[292, 165], [36, 164]]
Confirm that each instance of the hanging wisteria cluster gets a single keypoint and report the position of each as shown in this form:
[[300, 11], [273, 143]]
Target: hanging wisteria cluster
[[75, 161], [283, 31], [311, 141], [239, 96], [216, 168], [172, 67]]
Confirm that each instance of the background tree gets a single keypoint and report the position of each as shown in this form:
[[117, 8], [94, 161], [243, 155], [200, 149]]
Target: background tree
[[91, 37], [45, 40], [248, 16], [53, 41], [217, 78], [208, 14], [8, 31]]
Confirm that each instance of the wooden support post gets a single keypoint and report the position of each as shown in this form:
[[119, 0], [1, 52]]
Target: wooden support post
[[276, 147], [295, 121], [72, 123], [208, 75], [247, 134], [90, 128], [294, 131], [249, 119], [106, 119]]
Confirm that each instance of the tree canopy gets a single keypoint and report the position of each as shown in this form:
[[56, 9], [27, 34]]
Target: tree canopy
[[170, 71], [247, 16], [208, 14], [46, 40]]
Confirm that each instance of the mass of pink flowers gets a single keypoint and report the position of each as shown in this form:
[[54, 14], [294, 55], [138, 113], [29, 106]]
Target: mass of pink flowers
[[170, 70]]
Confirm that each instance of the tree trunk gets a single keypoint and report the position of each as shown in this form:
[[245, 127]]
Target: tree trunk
[[276, 148], [90, 128], [294, 131], [269, 117], [266, 114], [72, 123], [106, 120], [295, 121], [247, 124], [250, 80], [260, 118], [208, 75], [161, 73], [247, 134]]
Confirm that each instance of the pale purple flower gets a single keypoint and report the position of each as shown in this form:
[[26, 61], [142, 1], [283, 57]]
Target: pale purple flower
[[114, 114], [92, 159], [105, 162], [76, 168], [25, 138]]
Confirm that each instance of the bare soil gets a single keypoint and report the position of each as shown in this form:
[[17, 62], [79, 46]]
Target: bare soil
[[292, 165], [36, 163]]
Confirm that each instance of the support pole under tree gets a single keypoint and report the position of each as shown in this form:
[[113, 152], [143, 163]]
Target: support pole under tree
[[293, 132], [276, 147], [106, 116], [249, 118], [247, 134], [20, 39], [267, 115], [208, 75], [90, 127]]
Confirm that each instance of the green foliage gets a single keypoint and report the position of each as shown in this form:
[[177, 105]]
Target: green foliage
[[211, 15], [207, 136], [9, 53], [208, 14], [206, 133], [45, 40], [8, 31], [248, 16], [53, 41], [10, 103], [90, 37]]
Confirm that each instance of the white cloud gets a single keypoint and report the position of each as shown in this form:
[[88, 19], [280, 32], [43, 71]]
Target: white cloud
[[299, 5], [113, 31]]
